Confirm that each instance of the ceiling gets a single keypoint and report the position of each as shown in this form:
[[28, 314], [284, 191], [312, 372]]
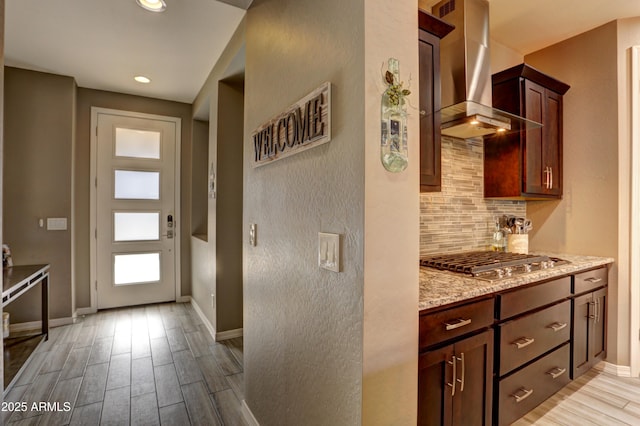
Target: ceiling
[[530, 25], [104, 44]]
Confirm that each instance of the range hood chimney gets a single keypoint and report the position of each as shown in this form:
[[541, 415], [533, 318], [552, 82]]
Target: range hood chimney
[[465, 72]]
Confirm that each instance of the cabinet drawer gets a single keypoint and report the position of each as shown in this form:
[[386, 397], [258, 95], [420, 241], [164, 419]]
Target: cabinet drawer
[[589, 280], [443, 325], [524, 339], [526, 299], [524, 390]]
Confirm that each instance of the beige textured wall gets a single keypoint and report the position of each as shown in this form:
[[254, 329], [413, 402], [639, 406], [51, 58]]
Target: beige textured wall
[[229, 203], [628, 35], [352, 334], [38, 134], [392, 223], [586, 221], [205, 270], [88, 98], [199, 178], [303, 325]]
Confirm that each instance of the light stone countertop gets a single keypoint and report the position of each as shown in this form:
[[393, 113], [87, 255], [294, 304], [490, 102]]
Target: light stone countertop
[[438, 288]]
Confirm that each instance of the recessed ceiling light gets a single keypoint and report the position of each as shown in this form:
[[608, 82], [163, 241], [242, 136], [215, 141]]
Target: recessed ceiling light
[[152, 5], [142, 79]]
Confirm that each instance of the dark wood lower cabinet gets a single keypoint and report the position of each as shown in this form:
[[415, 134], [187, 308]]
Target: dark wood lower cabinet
[[543, 334], [589, 338], [456, 384], [522, 391]]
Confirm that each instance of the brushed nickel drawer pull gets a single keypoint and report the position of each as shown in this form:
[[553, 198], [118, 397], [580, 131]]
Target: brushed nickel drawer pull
[[524, 394], [557, 372], [589, 314], [593, 280], [557, 326], [597, 310], [523, 342], [453, 382], [460, 323]]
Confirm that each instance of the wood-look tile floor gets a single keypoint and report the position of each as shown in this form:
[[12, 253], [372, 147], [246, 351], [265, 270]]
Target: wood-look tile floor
[[593, 399], [148, 365]]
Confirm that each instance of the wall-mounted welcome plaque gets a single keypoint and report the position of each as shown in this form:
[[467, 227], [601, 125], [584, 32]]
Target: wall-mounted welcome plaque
[[304, 125]]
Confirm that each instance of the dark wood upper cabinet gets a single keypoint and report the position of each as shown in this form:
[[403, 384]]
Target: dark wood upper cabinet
[[431, 30], [528, 164]]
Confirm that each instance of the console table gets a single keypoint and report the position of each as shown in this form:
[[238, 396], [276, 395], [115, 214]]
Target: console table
[[16, 281]]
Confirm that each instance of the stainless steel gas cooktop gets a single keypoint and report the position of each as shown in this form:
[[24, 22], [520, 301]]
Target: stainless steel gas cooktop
[[491, 265]]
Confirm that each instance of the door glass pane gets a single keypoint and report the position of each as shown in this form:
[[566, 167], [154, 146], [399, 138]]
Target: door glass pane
[[136, 268], [136, 226], [135, 185], [137, 143]]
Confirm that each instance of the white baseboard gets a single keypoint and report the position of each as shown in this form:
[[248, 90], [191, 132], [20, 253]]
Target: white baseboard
[[37, 325], [183, 299], [204, 319], [248, 415], [229, 334], [616, 370], [85, 311]]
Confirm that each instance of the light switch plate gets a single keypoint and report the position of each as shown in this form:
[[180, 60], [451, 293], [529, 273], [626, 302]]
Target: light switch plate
[[329, 251], [56, 224]]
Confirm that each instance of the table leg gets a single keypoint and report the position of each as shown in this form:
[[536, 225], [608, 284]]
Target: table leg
[[45, 306]]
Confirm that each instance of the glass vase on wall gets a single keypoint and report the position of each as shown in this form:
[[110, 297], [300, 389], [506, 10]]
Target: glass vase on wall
[[394, 150]]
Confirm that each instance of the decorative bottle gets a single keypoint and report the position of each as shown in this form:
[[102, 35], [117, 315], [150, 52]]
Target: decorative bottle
[[394, 151]]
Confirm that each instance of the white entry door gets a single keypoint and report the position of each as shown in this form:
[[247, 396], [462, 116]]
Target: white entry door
[[135, 214]]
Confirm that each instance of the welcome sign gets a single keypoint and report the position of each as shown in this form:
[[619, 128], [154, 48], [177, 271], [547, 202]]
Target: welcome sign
[[304, 125]]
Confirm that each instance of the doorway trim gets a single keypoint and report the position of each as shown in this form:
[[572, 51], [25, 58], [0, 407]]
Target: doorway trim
[[634, 275], [93, 175]]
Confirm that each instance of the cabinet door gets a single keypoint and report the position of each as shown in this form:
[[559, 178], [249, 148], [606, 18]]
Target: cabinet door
[[435, 390], [597, 342], [429, 84], [533, 181], [473, 399], [552, 143], [582, 313]]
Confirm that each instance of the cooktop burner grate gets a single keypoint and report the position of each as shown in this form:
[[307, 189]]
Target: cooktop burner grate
[[481, 262]]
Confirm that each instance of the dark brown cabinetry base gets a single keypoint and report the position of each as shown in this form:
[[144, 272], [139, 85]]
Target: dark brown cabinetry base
[[589, 317], [492, 360], [456, 383]]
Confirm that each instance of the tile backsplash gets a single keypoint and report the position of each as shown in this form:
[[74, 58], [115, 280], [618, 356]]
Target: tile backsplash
[[459, 218]]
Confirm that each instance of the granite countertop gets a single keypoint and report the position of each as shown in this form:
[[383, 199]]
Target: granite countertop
[[438, 288]]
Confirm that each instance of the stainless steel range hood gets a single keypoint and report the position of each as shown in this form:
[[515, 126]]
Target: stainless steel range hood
[[465, 72]]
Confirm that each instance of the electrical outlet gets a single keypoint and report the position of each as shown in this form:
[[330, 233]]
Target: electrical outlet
[[329, 251]]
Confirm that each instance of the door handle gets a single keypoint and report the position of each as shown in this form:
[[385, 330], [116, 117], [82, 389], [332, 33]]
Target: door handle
[[170, 226], [551, 178], [453, 382], [589, 314], [461, 381]]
